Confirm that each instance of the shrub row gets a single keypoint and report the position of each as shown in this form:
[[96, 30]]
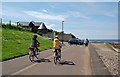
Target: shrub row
[[7, 26]]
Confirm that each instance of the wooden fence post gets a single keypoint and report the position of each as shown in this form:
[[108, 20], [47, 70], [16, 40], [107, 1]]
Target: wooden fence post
[[10, 22]]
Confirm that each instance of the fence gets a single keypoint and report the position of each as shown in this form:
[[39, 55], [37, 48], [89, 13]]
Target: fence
[[10, 22]]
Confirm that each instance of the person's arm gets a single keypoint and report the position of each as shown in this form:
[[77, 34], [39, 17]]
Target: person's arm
[[38, 43], [53, 43], [60, 44]]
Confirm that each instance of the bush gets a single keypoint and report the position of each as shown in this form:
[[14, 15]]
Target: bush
[[7, 26]]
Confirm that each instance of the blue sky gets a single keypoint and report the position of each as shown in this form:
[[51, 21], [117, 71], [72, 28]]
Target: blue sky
[[93, 20]]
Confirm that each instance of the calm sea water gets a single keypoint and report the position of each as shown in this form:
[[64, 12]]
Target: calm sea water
[[104, 40]]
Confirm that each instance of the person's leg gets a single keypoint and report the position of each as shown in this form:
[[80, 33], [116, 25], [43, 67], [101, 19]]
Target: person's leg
[[37, 50], [59, 52], [34, 51], [55, 52]]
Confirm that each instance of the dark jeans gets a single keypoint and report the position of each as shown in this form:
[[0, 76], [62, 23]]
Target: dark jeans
[[35, 50], [58, 50]]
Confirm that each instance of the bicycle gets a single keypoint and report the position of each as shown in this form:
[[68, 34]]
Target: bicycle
[[57, 57], [86, 44], [33, 53]]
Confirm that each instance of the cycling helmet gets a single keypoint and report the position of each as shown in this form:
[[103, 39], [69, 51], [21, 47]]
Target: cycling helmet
[[34, 36], [56, 36]]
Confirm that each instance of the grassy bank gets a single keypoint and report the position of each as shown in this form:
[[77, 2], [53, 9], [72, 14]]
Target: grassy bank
[[0, 43], [15, 43]]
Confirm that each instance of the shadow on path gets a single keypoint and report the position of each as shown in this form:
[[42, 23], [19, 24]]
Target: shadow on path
[[42, 60], [66, 63]]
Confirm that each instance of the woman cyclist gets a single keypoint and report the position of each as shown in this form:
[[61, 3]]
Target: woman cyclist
[[57, 45]]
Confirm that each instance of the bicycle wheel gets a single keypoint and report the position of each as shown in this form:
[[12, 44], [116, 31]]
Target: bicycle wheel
[[58, 59], [59, 56], [31, 56], [54, 60]]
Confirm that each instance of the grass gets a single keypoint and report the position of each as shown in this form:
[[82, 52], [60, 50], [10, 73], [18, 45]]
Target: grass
[[0, 43], [15, 43]]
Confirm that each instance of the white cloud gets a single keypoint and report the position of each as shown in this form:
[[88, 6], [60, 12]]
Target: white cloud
[[108, 13], [58, 30], [0, 9], [13, 23], [103, 10], [45, 16], [52, 6], [101, 34], [12, 13], [0, 14], [44, 10], [50, 26], [78, 14]]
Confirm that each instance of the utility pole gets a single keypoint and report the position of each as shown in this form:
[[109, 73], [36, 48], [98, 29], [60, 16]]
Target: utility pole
[[62, 32]]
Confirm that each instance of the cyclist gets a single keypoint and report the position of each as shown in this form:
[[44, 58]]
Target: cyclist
[[57, 45], [86, 42], [35, 43]]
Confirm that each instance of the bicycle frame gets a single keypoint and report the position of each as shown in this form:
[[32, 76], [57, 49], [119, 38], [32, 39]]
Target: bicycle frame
[[57, 57], [33, 53]]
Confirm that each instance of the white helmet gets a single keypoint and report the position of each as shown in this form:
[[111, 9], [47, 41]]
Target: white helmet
[[56, 36]]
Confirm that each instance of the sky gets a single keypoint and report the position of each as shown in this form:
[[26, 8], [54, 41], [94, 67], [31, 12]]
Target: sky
[[92, 20]]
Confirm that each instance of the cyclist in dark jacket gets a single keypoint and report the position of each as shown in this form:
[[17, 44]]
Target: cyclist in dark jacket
[[86, 42], [35, 42]]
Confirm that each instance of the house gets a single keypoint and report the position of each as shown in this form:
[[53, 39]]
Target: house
[[32, 25], [66, 37], [41, 29]]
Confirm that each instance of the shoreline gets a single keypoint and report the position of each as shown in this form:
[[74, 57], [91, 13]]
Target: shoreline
[[114, 45], [108, 55]]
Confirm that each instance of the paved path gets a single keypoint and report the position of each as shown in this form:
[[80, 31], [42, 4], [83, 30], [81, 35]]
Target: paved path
[[108, 56], [79, 55], [98, 66]]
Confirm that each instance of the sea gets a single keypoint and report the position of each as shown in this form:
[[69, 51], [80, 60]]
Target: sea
[[104, 40]]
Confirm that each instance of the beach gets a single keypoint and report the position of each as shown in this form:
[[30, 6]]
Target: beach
[[108, 52], [115, 44]]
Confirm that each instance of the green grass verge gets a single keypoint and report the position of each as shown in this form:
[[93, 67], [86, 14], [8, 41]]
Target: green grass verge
[[0, 43], [15, 43]]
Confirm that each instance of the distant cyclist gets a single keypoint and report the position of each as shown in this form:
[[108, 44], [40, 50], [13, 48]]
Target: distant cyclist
[[86, 42], [57, 45]]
